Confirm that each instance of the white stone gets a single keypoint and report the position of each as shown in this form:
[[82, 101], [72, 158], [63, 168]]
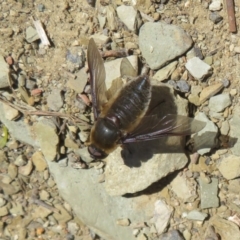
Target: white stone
[[216, 5], [198, 68], [127, 15]]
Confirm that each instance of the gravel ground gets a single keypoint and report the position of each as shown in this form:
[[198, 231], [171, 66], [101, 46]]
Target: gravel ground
[[30, 204]]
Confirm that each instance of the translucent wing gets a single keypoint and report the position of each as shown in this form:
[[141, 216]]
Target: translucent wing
[[151, 127], [97, 77], [126, 69]]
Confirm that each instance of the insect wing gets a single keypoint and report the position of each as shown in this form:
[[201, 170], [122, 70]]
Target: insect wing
[[126, 69], [171, 125], [97, 77]]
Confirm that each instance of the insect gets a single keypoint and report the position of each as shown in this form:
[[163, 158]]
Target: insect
[[126, 117]]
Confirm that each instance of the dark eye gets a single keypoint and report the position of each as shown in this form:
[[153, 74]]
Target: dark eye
[[96, 152]]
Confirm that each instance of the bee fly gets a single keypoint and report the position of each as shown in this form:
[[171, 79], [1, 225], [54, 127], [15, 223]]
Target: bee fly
[[124, 118]]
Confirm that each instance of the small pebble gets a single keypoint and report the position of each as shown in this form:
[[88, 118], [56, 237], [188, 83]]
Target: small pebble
[[3, 211], [39, 161], [156, 16], [215, 17], [135, 232], [9, 60], [41, 7], [2, 202], [237, 49], [233, 92], [123, 222], [216, 5], [226, 82], [26, 169]]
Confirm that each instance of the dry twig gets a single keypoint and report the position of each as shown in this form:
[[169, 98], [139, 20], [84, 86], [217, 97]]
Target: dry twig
[[33, 111], [231, 16]]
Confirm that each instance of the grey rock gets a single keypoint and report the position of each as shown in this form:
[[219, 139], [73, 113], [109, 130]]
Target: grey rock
[[198, 52], [183, 86], [225, 82], [161, 42], [165, 72], [19, 130], [31, 34], [206, 139], [196, 215], [141, 164], [45, 130], [162, 215], [198, 68], [220, 102], [128, 15], [94, 202], [75, 58], [215, 17], [4, 73], [230, 167], [30, 84], [184, 188], [80, 82], [180, 85], [209, 193], [171, 235], [235, 131], [40, 7], [54, 100]]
